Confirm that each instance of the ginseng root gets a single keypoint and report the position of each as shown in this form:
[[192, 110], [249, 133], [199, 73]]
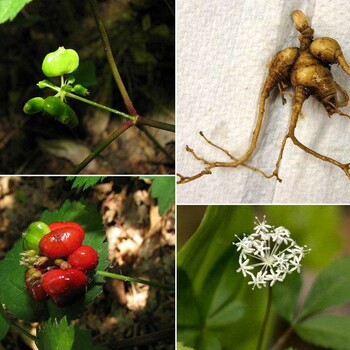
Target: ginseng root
[[305, 69]]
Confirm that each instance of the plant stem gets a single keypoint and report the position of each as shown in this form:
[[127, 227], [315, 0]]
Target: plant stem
[[266, 318], [127, 101], [22, 330], [137, 120], [125, 126], [155, 124], [132, 279], [111, 61], [95, 104], [283, 338]]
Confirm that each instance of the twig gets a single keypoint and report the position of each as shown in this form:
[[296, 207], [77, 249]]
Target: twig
[[133, 279], [125, 126], [104, 37]]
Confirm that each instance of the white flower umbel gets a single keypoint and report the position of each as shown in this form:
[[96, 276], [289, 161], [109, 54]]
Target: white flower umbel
[[268, 254]]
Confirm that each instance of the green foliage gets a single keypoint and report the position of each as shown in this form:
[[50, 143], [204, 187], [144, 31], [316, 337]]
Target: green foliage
[[162, 188], [10, 8], [285, 296], [54, 335], [83, 340], [328, 331], [85, 181], [4, 325], [12, 289], [212, 296], [180, 346], [332, 287], [316, 226], [18, 302]]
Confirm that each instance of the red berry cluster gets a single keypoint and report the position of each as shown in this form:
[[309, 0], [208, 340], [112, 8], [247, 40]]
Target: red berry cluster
[[59, 271]]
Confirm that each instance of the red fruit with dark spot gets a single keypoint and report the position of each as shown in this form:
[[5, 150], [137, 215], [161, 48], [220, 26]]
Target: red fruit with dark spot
[[65, 287], [64, 224], [84, 258], [61, 242], [34, 287]]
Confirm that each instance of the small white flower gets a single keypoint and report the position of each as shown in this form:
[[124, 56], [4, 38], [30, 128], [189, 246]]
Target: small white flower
[[261, 227], [268, 254]]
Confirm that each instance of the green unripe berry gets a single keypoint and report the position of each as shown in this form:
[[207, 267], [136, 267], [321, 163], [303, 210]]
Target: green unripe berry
[[34, 105], [60, 111], [81, 90], [69, 118], [33, 234], [54, 106], [62, 61]]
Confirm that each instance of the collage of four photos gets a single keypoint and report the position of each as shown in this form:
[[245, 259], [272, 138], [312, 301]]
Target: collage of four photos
[[174, 175]]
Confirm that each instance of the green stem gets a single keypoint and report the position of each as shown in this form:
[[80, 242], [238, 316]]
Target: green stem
[[95, 104], [137, 120], [111, 61], [132, 279], [22, 330], [125, 126], [266, 318]]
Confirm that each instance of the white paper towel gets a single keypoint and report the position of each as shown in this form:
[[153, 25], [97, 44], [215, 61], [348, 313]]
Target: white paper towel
[[223, 48]]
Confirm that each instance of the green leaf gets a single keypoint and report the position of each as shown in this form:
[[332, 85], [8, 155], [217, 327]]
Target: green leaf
[[332, 287], [162, 188], [285, 296], [215, 292], [10, 8], [83, 340], [316, 226], [212, 239], [54, 335], [187, 304], [4, 324], [18, 302], [85, 181], [180, 346], [232, 312], [13, 291], [218, 299], [328, 331], [209, 341]]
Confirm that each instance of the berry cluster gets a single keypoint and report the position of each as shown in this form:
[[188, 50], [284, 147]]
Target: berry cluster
[[57, 263]]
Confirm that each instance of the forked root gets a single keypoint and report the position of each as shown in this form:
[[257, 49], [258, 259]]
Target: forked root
[[210, 165], [298, 101]]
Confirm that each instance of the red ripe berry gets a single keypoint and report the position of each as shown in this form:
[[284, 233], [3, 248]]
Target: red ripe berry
[[84, 258], [64, 224], [65, 287], [60, 242], [34, 287]]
